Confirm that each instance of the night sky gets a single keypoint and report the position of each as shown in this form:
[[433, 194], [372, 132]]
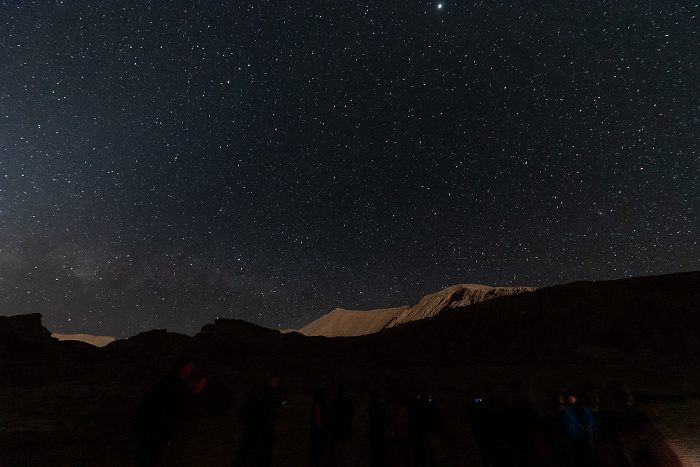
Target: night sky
[[166, 163]]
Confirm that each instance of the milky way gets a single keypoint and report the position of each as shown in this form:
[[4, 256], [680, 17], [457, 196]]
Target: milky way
[[165, 163]]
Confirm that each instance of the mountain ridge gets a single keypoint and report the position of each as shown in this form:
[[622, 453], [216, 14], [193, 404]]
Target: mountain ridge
[[352, 323]]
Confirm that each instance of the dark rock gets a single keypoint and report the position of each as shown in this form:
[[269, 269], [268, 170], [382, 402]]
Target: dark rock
[[24, 333], [157, 342]]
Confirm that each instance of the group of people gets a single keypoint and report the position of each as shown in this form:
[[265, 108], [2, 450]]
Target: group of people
[[406, 427], [166, 411], [331, 429], [404, 431], [510, 432]]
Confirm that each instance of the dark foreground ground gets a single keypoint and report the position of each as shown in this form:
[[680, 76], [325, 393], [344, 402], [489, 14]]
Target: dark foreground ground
[[82, 413]]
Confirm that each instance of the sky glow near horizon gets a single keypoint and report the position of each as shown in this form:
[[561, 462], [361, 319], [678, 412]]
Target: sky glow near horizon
[[161, 164]]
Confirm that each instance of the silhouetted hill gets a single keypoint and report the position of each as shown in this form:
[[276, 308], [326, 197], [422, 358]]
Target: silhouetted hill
[[24, 333], [595, 320], [658, 315]]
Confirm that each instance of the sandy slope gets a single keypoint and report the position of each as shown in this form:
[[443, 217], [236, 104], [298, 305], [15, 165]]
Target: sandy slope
[[97, 341], [347, 323], [341, 322]]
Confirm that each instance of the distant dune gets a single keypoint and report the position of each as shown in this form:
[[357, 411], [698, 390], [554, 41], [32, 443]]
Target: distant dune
[[97, 341], [347, 323]]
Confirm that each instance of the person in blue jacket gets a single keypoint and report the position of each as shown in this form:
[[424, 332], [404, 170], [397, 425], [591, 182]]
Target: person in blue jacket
[[577, 422]]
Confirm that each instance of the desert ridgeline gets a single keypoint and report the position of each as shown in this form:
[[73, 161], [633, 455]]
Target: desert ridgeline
[[72, 400]]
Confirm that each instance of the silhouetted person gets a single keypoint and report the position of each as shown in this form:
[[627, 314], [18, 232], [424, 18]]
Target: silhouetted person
[[261, 418], [429, 426], [577, 421], [318, 418], [527, 442], [377, 431], [178, 453], [341, 415], [398, 431], [487, 428], [160, 410]]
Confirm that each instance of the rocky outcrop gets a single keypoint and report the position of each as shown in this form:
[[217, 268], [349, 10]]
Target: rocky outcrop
[[235, 334], [24, 333], [157, 342], [348, 323]]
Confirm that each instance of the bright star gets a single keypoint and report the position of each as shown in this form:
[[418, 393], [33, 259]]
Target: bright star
[[439, 6]]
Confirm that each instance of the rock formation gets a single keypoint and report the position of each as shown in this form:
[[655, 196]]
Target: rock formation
[[657, 315], [24, 333]]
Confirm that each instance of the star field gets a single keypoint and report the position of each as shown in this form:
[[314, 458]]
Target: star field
[[166, 163]]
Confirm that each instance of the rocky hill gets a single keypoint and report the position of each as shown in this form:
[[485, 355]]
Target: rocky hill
[[632, 318], [349, 323], [637, 317]]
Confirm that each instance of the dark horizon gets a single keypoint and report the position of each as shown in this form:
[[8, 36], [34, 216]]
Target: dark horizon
[[196, 330]]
